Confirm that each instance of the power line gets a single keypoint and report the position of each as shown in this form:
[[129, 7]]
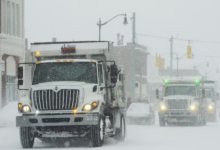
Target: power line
[[153, 36], [200, 55], [212, 42], [203, 55]]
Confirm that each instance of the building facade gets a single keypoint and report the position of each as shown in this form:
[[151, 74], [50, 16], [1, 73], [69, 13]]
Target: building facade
[[12, 47], [124, 57]]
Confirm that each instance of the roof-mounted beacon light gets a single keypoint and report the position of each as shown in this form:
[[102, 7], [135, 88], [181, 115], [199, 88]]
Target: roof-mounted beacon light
[[37, 53], [197, 81], [166, 81], [68, 49]]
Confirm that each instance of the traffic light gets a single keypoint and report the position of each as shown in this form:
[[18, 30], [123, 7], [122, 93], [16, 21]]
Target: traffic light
[[157, 61], [161, 63], [189, 52]]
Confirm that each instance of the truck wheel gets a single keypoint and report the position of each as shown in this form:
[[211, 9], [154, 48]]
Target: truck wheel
[[121, 132], [153, 120], [162, 122], [97, 133], [204, 121], [27, 137], [198, 120]]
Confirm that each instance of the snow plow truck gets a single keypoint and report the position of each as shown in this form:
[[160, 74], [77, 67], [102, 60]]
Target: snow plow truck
[[76, 91]]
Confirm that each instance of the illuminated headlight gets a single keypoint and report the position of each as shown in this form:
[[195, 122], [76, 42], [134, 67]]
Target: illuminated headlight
[[87, 107], [26, 109], [162, 107], [210, 107], [193, 107]]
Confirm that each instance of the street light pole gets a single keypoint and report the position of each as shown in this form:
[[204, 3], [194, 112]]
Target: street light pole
[[206, 73], [100, 24], [199, 65], [171, 56], [134, 57], [99, 29], [177, 59]]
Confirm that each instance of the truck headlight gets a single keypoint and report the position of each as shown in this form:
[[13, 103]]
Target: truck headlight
[[26, 109], [210, 107], [193, 107], [87, 107], [162, 107]]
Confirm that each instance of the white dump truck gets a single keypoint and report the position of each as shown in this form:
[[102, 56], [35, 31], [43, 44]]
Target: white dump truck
[[76, 91], [183, 101], [211, 98]]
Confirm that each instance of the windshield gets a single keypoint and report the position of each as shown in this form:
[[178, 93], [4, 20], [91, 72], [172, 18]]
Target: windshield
[[180, 90], [65, 71]]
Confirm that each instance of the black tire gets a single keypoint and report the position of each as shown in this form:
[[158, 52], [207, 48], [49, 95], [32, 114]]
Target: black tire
[[97, 133], [162, 122], [121, 132], [27, 137]]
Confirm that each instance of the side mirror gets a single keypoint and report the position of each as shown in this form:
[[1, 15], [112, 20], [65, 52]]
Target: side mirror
[[20, 82], [20, 72], [114, 73], [157, 93], [203, 93]]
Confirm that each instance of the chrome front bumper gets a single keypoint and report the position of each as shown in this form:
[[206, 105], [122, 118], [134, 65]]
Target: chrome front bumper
[[178, 115], [57, 120]]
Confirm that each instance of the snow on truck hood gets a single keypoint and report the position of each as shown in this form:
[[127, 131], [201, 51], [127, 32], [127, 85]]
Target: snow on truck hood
[[138, 110], [88, 87], [179, 97], [63, 83]]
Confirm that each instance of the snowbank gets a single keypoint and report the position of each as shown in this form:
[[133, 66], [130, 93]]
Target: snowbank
[[8, 115]]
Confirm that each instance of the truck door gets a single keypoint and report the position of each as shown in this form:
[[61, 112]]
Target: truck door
[[101, 80]]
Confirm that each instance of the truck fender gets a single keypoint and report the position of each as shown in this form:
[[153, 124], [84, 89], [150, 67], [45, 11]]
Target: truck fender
[[25, 100]]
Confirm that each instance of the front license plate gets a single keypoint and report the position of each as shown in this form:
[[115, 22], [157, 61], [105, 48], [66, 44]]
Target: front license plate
[[92, 117]]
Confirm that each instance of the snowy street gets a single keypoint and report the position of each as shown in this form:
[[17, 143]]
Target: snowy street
[[138, 136]]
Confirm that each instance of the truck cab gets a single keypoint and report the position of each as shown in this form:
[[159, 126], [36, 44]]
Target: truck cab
[[76, 91], [182, 102]]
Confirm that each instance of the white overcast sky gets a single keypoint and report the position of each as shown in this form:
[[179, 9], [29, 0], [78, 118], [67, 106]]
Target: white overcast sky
[[187, 19]]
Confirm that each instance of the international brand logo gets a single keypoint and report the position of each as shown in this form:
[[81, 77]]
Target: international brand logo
[[56, 88]]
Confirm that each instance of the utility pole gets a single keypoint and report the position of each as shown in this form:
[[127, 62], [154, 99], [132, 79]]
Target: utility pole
[[171, 56], [134, 57], [177, 59], [99, 29], [141, 83], [177, 67]]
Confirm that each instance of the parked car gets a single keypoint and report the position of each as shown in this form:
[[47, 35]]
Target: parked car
[[140, 113]]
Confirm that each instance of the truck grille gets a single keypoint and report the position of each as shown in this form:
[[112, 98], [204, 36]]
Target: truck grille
[[65, 99], [177, 104]]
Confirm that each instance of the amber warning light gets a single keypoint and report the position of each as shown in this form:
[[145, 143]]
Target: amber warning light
[[68, 49]]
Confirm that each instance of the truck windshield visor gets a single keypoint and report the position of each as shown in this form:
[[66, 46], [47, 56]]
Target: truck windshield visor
[[180, 90], [65, 71]]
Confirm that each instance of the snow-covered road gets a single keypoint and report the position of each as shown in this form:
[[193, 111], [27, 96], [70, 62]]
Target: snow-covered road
[[138, 137]]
